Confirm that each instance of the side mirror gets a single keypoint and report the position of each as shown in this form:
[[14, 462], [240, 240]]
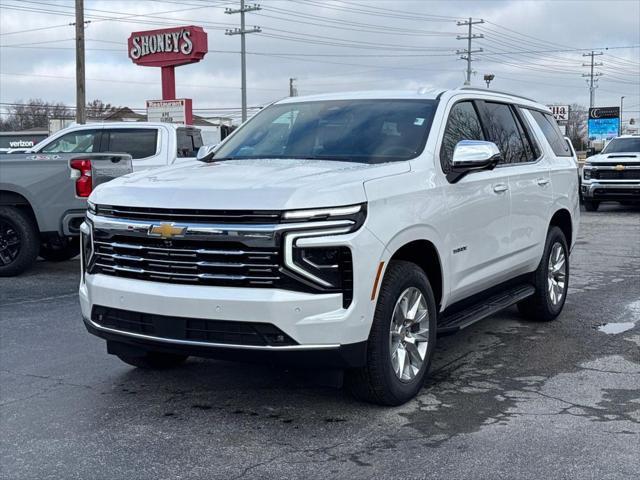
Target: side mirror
[[206, 152], [473, 155]]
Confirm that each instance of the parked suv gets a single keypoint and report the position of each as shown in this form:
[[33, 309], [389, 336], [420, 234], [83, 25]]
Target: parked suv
[[344, 230], [614, 174]]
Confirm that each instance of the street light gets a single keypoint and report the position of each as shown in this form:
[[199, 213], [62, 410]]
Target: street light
[[488, 77]]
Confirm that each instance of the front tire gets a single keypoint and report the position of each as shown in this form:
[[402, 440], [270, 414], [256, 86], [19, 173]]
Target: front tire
[[402, 338], [19, 241], [551, 280], [591, 205], [153, 360]]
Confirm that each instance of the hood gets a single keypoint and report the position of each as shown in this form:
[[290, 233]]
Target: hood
[[622, 157], [246, 184]]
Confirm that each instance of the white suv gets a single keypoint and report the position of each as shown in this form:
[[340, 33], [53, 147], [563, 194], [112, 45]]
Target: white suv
[[344, 230]]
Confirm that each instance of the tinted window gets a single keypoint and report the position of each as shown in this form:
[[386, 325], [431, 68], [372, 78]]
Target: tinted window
[[82, 141], [623, 145], [503, 130], [189, 142], [552, 133], [463, 124], [368, 131], [137, 142]]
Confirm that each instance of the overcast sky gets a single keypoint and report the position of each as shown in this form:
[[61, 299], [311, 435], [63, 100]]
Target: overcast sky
[[532, 47]]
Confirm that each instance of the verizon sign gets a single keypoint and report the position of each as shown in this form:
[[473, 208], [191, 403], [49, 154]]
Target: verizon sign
[[170, 111], [560, 112]]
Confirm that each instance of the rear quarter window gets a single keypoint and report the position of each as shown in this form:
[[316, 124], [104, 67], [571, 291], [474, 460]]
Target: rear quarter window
[[189, 142], [552, 133]]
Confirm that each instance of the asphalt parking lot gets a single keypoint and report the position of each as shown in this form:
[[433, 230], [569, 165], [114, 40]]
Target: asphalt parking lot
[[506, 398]]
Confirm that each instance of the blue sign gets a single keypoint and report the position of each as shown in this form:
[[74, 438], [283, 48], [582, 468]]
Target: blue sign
[[603, 128]]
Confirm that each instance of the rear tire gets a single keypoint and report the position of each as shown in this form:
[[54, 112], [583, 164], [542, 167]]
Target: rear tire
[[551, 280], [19, 241], [387, 378], [154, 360], [591, 205], [60, 249]]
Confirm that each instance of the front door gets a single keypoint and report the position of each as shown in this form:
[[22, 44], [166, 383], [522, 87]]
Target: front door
[[478, 227]]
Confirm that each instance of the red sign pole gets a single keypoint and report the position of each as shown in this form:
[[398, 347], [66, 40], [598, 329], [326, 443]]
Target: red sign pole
[[168, 82]]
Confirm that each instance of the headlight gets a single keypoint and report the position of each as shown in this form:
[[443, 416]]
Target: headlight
[[91, 207], [86, 246], [586, 171], [323, 263], [326, 267], [355, 213]]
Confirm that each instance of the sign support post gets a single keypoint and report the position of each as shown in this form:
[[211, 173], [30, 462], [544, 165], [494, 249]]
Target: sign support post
[[168, 82]]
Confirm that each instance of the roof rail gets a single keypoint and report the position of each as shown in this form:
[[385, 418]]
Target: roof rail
[[486, 90]]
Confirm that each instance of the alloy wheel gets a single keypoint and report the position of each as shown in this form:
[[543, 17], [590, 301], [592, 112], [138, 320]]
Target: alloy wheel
[[9, 242], [557, 274], [409, 334]]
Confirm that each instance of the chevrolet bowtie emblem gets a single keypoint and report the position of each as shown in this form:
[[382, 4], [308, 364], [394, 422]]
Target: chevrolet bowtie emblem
[[166, 230], [619, 168]]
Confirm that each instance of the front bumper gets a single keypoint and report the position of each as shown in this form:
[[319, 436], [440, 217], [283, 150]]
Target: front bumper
[[600, 191], [317, 323]]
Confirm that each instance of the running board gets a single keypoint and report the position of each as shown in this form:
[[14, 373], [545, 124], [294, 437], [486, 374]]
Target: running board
[[484, 308]]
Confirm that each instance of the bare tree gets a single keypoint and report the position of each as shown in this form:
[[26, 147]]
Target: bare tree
[[98, 109], [35, 113], [577, 126]]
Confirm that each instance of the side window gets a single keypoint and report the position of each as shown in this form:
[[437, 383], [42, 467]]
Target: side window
[[81, 141], [463, 124], [189, 142], [552, 133], [137, 142], [504, 130]]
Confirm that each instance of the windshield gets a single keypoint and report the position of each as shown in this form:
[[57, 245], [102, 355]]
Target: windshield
[[623, 145], [368, 131]]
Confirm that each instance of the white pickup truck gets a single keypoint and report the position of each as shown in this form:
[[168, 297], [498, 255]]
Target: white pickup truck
[[150, 145]]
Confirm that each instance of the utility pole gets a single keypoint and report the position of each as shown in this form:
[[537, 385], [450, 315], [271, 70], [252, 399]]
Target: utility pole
[[466, 54], [293, 91], [593, 77], [242, 31], [81, 116]]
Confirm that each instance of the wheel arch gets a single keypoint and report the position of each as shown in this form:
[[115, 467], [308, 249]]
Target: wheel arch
[[424, 253], [562, 219], [9, 198]]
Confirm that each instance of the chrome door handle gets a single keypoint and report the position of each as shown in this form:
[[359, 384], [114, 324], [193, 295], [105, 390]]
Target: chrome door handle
[[542, 181], [500, 187]]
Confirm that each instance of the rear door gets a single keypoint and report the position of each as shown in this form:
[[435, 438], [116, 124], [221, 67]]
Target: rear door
[[142, 143], [527, 168]]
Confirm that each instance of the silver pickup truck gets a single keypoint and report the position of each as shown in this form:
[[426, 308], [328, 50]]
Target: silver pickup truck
[[43, 199]]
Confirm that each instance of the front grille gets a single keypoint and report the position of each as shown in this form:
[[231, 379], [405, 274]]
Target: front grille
[[619, 192], [616, 175], [190, 215], [193, 329], [233, 255], [187, 261]]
